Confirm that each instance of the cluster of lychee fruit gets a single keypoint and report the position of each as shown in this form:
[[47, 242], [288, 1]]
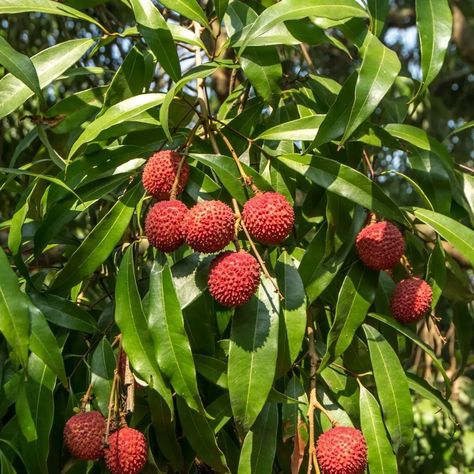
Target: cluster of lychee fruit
[[342, 450], [210, 226], [125, 451], [380, 246]]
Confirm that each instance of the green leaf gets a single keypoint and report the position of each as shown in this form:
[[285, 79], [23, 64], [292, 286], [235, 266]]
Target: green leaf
[[188, 8], [157, 35], [258, 449], [50, 7], [63, 313], [20, 66], [253, 354], [301, 129], [407, 332], [380, 66], [423, 388], [49, 65], [221, 7], [436, 272], [344, 181], [199, 72], [200, 436], [292, 325], [115, 115], [458, 235], [298, 9], [14, 320], [212, 369], [226, 170], [392, 389], [434, 22], [354, 300], [99, 243], [128, 81], [379, 10], [380, 456], [172, 349], [38, 391], [327, 269], [462, 128], [262, 67], [102, 372], [132, 322], [44, 344]]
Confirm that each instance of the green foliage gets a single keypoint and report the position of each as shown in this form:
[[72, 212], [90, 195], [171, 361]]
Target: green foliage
[[312, 99]]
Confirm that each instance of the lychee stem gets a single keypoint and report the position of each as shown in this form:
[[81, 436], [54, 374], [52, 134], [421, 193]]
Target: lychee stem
[[85, 399], [112, 404], [407, 265], [254, 248], [434, 319], [174, 188], [368, 163], [247, 180]]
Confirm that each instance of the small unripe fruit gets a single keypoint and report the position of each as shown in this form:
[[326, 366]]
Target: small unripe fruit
[[269, 217], [233, 278], [83, 435], [160, 172], [126, 452], [342, 450], [164, 225], [380, 245], [209, 226], [411, 300]]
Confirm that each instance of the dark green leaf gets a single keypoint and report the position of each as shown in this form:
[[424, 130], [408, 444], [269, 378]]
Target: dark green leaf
[[188, 8], [102, 372], [392, 389], [379, 452], [378, 10], [344, 181], [20, 66], [99, 243], [220, 7], [200, 436], [132, 322], [301, 129], [172, 349], [14, 320], [434, 22], [354, 300], [49, 64], [154, 29], [436, 272], [258, 449], [458, 235], [253, 354]]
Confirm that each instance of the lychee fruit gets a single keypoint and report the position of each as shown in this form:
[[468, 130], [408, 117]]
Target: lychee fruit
[[342, 450], [380, 245], [126, 452], [83, 435], [160, 172], [233, 278], [411, 300], [164, 225], [209, 226], [269, 217]]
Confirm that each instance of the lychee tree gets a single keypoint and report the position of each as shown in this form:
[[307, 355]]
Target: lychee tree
[[216, 256]]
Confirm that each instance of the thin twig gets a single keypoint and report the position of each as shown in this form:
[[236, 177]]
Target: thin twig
[[85, 399], [369, 165], [247, 180], [313, 358], [307, 57], [254, 248], [174, 188]]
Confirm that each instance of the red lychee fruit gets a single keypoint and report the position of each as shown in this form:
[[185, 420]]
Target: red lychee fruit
[[342, 450], [83, 435], [269, 217], [209, 226], [380, 245], [164, 225], [411, 300], [160, 172], [233, 278], [126, 452]]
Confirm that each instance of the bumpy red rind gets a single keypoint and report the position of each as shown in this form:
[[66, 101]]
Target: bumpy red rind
[[411, 300], [380, 245], [233, 278], [164, 225], [84, 434], [126, 452], [342, 450]]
